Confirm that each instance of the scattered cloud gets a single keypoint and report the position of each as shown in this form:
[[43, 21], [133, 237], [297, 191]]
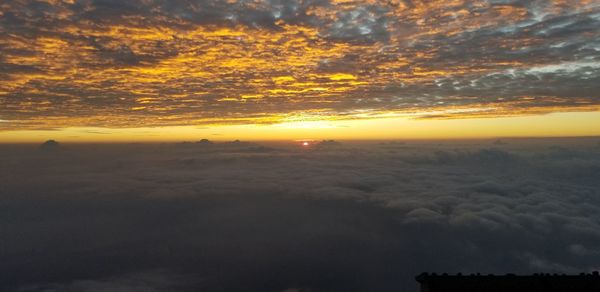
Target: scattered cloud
[[112, 64]]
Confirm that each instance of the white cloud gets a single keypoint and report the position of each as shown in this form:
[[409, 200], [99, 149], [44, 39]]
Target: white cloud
[[567, 67]]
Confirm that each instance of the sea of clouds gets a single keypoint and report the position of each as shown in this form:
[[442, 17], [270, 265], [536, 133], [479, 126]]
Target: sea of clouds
[[281, 217]]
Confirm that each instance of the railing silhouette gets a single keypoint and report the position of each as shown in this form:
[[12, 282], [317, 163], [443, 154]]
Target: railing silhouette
[[509, 283]]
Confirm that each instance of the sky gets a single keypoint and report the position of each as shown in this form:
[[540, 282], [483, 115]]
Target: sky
[[295, 145], [152, 70]]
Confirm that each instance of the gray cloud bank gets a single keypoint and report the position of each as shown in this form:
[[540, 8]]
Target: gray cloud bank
[[244, 217]]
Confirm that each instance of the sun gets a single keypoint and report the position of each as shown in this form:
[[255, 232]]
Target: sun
[[305, 144]]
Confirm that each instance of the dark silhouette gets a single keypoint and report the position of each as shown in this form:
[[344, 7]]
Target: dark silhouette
[[204, 142], [509, 283], [49, 145]]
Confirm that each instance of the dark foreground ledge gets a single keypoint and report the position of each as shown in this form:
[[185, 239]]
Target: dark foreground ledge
[[509, 283]]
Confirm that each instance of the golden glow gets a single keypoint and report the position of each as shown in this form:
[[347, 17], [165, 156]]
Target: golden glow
[[550, 125], [354, 65]]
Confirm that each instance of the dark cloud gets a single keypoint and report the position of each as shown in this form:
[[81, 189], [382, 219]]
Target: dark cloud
[[228, 217]]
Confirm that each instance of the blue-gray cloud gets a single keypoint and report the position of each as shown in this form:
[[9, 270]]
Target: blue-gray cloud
[[239, 216]]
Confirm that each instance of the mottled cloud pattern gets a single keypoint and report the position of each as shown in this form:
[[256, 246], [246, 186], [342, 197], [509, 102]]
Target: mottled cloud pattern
[[245, 217], [155, 62]]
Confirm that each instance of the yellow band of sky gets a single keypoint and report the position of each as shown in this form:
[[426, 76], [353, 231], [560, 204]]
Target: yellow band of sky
[[548, 125]]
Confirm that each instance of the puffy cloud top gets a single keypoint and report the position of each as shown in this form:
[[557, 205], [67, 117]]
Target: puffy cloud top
[[238, 217]]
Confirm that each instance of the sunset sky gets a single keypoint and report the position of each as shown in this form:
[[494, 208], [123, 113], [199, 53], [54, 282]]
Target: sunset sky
[[158, 70], [296, 145]]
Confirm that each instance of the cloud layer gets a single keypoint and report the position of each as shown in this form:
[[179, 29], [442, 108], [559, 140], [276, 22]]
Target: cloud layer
[[148, 63], [244, 217]]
